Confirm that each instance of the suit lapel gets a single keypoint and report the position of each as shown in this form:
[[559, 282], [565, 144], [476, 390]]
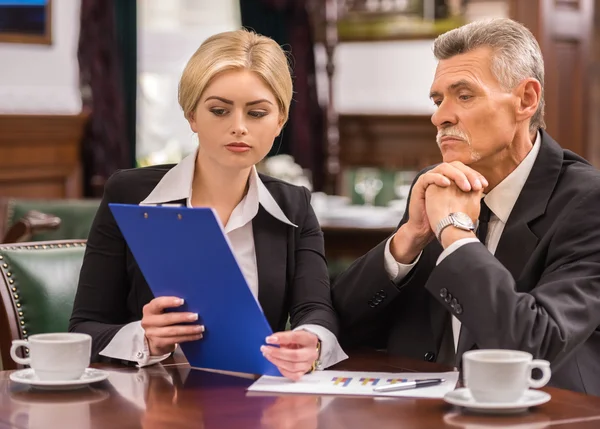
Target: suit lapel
[[518, 242], [514, 257], [270, 241]]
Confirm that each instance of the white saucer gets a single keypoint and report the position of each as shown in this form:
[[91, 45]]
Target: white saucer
[[462, 397], [27, 376]]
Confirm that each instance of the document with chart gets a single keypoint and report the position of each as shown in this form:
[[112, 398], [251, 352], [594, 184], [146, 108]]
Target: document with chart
[[357, 383]]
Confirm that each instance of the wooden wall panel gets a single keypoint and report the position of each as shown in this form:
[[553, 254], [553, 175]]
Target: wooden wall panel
[[568, 124], [388, 141], [564, 30], [40, 155], [594, 93]]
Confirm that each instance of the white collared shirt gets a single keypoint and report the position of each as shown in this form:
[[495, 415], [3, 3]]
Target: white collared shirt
[[130, 344], [500, 201]]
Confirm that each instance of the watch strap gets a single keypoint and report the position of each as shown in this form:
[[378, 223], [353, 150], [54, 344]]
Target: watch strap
[[317, 361], [443, 224], [451, 220]]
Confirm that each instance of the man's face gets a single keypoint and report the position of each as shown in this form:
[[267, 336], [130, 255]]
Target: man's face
[[475, 116]]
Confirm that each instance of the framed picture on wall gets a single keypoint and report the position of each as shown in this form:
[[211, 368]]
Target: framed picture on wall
[[26, 21], [366, 20]]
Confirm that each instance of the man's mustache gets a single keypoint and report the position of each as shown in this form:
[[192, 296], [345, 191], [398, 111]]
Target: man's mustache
[[451, 132]]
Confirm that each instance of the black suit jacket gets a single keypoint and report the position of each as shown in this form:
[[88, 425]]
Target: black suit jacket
[[292, 272], [539, 293]]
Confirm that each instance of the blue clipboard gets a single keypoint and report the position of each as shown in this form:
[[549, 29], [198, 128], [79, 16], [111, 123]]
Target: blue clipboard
[[184, 252]]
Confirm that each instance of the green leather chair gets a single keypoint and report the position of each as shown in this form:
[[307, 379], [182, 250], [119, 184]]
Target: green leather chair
[[76, 216], [38, 282]]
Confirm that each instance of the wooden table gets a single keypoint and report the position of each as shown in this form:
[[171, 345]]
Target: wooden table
[[175, 396]]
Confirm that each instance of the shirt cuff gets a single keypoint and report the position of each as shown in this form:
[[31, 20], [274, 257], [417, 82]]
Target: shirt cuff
[[331, 351], [130, 344], [395, 269], [454, 247]]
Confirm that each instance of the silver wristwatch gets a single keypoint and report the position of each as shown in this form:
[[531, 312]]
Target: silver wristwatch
[[458, 220]]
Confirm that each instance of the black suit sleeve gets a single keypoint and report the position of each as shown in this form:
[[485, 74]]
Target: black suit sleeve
[[553, 318], [100, 303], [311, 294], [363, 296], [366, 298]]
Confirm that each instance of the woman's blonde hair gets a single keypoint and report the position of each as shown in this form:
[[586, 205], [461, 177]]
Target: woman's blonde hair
[[236, 50]]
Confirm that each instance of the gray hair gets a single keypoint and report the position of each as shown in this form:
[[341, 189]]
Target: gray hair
[[517, 54]]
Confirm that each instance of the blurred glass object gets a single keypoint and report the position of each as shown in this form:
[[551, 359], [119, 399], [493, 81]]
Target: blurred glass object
[[368, 183], [402, 183], [284, 167]]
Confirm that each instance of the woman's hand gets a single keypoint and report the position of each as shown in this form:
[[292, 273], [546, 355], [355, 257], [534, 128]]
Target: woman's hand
[[296, 353], [164, 330]]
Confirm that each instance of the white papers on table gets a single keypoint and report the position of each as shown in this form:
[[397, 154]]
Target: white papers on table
[[357, 383]]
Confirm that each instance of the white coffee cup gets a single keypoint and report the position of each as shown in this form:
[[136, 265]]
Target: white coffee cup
[[502, 375], [60, 356]]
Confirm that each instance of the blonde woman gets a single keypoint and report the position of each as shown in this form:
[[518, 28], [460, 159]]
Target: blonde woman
[[235, 93]]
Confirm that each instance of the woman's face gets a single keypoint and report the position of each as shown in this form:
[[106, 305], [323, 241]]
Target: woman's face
[[236, 119]]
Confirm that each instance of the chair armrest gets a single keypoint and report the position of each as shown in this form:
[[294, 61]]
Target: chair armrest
[[32, 223]]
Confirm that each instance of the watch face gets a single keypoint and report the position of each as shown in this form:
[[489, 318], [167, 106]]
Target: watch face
[[463, 220]]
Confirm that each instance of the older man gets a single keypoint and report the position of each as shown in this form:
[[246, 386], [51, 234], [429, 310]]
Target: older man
[[500, 244]]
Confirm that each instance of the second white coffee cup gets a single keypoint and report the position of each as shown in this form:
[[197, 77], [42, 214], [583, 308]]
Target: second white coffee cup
[[60, 356], [502, 375]]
